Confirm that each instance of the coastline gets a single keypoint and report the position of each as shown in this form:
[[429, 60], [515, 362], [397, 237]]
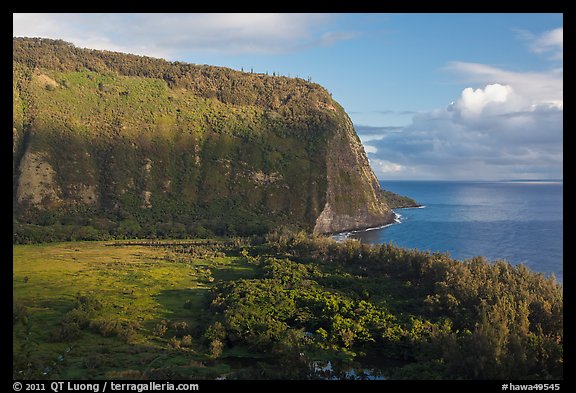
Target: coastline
[[341, 236]]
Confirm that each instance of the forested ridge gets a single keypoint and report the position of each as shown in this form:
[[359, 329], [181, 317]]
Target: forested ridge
[[109, 144], [202, 80]]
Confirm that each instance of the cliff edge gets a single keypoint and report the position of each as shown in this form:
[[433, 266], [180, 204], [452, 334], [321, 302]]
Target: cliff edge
[[136, 146]]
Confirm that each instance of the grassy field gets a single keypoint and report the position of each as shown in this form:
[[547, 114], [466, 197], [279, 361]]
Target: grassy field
[[140, 308]]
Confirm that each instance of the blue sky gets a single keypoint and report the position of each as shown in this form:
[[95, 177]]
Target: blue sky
[[432, 96]]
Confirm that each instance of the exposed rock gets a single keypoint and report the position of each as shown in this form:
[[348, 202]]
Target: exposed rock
[[263, 179], [86, 194], [330, 222], [353, 198], [45, 80], [146, 198], [36, 181]]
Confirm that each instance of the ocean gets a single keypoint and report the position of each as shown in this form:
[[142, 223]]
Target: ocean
[[520, 222]]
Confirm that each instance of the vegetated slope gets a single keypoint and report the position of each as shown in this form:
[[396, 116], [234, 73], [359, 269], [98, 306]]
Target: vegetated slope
[[398, 201], [134, 146]]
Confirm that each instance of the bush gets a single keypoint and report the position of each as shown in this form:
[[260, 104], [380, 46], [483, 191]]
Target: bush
[[216, 347], [161, 328], [174, 342], [65, 332], [182, 328], [216, 331], [76, 316], [126, 330], [106, 327], [186, 341]]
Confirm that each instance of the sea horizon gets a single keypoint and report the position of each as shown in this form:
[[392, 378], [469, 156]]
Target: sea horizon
[[381, 181], [516, 221]]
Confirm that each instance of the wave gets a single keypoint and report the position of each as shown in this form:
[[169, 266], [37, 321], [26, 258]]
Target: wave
[[339, 237]]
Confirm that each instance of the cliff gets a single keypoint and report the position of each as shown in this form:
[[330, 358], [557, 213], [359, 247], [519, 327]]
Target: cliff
[[137, 146]]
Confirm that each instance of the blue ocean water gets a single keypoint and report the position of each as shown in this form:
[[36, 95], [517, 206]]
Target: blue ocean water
[[521, 222]]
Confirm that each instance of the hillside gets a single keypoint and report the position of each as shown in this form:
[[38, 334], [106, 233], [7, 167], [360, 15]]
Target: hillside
[[134, 146]]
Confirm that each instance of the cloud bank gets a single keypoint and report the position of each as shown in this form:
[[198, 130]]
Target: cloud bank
[[487, 133], [508, 126], [172, 35]]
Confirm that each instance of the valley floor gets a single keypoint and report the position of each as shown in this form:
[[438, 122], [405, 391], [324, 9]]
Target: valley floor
[[136, 287], [285, 307]]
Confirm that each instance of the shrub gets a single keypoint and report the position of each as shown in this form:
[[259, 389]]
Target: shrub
[[182, 328], [216, 347], [65, 332], [88, 303], [216, 331], [161, 328], [186, 341], [126, 330], [78, 317], [174, 343], [106, 327]]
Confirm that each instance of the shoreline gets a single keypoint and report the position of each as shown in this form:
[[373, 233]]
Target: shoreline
[[341, 236]]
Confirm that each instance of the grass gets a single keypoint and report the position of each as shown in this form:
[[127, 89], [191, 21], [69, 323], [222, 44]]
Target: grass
[[134, 283]]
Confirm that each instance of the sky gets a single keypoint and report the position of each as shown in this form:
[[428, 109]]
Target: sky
[[432, 96]]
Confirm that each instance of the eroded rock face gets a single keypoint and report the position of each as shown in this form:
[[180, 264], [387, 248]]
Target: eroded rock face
[[353, 194], [86, 194], [329, 222], [36, 184]]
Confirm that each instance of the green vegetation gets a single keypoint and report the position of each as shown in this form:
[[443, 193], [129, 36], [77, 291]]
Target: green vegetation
[[113, 310], [396, 201], [109, 147], [115, 145], [189, 154], [279, 307]]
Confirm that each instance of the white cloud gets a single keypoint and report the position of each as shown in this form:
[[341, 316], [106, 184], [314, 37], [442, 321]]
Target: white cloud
[[510, 126], [383, 167], [474, 102], [170, 35], [550, 42], [540, 87]]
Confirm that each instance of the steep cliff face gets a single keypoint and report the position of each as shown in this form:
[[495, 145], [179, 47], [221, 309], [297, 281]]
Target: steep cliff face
[[104, 139], [353, 198]]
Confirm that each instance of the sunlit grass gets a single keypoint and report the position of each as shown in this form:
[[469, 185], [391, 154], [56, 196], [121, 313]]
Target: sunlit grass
[[134, 283]]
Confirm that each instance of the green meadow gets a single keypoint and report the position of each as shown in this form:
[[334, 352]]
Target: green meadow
[[133, 309]]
